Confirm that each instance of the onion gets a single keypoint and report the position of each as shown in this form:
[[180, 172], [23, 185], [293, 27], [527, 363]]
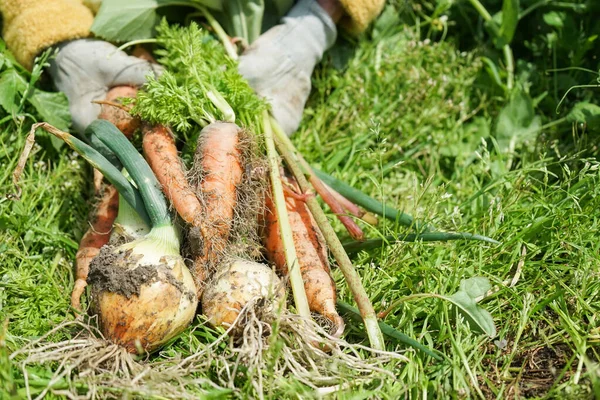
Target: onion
[[142, 295], [143, 292], [234, 286]]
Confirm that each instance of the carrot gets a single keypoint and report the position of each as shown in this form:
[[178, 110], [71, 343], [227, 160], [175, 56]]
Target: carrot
[[161, 153], [311, 253], [141, 52], [219, 159], [97, 236], [119, 117], [209, 208]]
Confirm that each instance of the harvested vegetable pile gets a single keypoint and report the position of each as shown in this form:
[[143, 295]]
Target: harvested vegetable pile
[[198, 226]]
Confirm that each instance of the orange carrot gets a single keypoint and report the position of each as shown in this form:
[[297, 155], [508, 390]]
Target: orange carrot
[[97, 236], [120, 118], [161, 153], [219, 158], [209, 209], [311, 253], [141, 52]]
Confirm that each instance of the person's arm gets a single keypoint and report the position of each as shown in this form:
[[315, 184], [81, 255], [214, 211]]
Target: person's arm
[[31, 26]]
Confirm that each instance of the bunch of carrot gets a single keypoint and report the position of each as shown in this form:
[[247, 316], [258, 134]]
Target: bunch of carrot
[[208, 202], [222, 202]]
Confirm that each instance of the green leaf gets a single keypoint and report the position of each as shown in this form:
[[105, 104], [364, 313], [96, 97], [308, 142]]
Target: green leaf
[[11, 86], [492, 69], [465, 300], [510, 19], [517, 123], [122, 21], [555, 19], [388, 19], [585, 112], [53, 107]]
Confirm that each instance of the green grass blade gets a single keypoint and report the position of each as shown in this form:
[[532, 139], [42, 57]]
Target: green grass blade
[[355, 246], [369, 203], [388, 330]]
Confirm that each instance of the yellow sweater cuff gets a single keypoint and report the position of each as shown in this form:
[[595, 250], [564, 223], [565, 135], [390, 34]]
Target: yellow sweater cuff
[[31, 26], [360, 13]]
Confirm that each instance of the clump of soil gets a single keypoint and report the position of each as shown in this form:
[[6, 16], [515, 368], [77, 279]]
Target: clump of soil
[[109, 272]]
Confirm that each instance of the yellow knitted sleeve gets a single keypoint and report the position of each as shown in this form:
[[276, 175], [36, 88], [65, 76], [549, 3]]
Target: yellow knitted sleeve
[[360, 13], [30, 26]]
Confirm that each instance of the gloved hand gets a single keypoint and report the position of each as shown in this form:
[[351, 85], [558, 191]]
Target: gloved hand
[[86, 69], [278, 65]]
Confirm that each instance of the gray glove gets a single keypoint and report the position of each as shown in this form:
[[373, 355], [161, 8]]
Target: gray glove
[[86, 69], [278, 65]]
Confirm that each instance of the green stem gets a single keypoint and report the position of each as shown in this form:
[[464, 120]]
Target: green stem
[[481, 10], [555, 4], [222, 105], [356, 246], [553, 123], [388, 331], [138, 169], [395, 304], [367, 202], [229, 48], [291, 259], [288, 151], [96, 160], [510, 66], [131, 43]]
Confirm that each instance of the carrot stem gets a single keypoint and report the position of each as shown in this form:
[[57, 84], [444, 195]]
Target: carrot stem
[[351, 226], [367, 312], [220, 32], [296, 281], [344, 202]]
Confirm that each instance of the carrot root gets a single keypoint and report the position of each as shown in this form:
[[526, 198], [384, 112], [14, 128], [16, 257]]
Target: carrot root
[[96, 236], [311, 253], [126, 123], [161, 153], [219, 159]]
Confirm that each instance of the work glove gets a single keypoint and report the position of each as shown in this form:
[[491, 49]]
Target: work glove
[[86, 69], [278, 65]]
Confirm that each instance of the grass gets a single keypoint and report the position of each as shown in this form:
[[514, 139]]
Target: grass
[[408, 122]]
